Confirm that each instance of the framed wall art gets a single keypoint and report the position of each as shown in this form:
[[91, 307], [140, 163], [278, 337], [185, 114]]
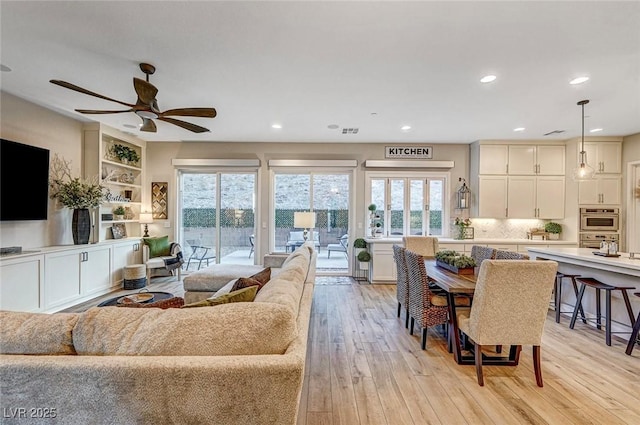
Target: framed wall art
[[159, 201], [119, 230], [468, 233]]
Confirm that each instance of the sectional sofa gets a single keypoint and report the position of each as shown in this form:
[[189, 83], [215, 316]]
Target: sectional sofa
[[238, 363]]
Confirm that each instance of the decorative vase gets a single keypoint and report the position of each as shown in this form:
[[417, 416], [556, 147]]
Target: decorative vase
[[459, 233], [81, 226]]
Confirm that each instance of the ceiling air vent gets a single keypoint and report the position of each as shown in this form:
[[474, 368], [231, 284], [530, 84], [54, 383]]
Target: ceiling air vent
[[554, 132], [350, 130]]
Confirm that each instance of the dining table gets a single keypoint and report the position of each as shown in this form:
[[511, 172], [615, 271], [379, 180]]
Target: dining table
[[456, 285]]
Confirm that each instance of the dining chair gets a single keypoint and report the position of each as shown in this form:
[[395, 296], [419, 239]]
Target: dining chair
[[402, 281], [510, 255], [480, 253], [425, 307], [427, 246], [509, 307]]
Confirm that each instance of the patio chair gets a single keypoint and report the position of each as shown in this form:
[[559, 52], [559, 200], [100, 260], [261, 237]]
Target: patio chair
[[340, 247], [199, 253], [252, 240], [296, 239], [509, 307]]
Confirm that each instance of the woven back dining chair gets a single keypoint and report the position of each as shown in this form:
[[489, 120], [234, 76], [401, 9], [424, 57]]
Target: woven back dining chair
[[510, 255], [481, 253], [402, 282], [509, 307], [425, 307]]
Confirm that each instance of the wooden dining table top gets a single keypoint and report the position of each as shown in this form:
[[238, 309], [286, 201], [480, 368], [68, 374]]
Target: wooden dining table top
[[450, 281]]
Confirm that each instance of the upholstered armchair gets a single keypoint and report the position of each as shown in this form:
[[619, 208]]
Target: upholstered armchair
[[509, 307], [427, 246], [159, 253]]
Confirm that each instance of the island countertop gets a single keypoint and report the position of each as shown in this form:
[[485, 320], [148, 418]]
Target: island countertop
[[585, 257]]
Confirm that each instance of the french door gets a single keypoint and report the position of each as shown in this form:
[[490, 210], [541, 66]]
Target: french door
[[408, 205], [217, 217]]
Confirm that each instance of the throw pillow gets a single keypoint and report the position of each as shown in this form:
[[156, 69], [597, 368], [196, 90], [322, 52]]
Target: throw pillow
[[241, 295], [158, 246], [175, 302], [261, 278]]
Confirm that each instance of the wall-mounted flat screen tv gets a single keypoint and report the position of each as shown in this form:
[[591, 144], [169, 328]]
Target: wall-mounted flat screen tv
[[24, 181]]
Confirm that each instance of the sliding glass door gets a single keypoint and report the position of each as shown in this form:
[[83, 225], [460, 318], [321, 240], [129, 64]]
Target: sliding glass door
[[217, 217]]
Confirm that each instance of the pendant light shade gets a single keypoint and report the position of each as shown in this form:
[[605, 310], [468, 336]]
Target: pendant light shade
[[583, 171]]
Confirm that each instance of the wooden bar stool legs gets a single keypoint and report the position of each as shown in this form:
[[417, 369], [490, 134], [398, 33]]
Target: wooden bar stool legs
[[599, 286], [633, 339], [558, 295]]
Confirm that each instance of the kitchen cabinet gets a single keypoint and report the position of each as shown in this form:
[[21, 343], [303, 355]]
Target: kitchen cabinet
[[546, 160], [382, 267], [123, 178], [535, 197], [492, 196], [493, 159], [605, 190], [22, 283], [124, 254], [604, 157]]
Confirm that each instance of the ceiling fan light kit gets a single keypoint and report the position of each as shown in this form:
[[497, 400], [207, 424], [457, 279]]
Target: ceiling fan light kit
[[146, 106]]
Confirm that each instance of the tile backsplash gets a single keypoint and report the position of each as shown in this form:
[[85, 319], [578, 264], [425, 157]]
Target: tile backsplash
[[504, 228]]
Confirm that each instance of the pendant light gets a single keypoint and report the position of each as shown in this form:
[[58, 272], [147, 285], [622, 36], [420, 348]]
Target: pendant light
[[583, 171]]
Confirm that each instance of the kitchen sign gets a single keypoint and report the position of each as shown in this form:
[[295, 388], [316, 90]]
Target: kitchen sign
[[408, 152]]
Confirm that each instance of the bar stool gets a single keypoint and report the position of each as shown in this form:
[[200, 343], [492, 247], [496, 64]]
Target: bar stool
[[634, 334], [599, 286], [558, 295]]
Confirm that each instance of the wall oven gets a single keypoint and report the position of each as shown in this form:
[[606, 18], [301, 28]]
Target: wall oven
[[599, 219], [592, 240]]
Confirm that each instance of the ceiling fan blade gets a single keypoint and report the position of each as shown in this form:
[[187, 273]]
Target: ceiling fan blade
[[146, 92], [184, 124], [92, 111], [148, 125], [191, 112], [85, 91]]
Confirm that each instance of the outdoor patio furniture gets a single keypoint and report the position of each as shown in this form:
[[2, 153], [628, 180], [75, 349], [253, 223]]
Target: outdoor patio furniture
[[340, 247], [296, 239], [199, 253], [252, 239]]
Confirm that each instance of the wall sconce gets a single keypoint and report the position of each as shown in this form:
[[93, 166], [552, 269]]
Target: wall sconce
[[146, 219], [304, 220], [463, 196]]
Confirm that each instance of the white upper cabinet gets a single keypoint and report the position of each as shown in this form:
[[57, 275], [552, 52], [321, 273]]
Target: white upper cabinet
[[600, 190], [493, 159], [528, 160], [492, 197], [604, 157], [535, 197]]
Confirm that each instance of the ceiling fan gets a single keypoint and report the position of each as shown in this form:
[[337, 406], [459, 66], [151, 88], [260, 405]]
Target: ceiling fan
[[146, 107]]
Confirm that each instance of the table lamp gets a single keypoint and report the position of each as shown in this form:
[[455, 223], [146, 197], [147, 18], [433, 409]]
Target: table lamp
[[146, 219], [304, 220]]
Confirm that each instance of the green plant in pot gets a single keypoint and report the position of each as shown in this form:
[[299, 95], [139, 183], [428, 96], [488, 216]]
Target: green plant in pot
[[364, 256], [119, 212], [359, 243], [125, 154], [554, 229]]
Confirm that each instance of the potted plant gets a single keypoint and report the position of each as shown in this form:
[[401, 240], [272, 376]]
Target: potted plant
[[76, 194], [461, 225], [554, 230], [119, 212], [455, 262], [359, 246], [125, 154], [364, 257]]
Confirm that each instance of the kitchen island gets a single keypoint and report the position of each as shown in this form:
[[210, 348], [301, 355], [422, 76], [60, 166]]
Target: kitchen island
[[620, 270], [382, 268]]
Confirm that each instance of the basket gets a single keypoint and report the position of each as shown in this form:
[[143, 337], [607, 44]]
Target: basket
[[135, 276]]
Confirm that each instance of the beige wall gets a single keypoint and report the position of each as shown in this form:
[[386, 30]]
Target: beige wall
[[159, 168], [630, 204], [27, 123]]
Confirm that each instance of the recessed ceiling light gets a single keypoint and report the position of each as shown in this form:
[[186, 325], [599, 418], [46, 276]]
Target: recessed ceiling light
[[595, 130], [578, 80], [276, 126], [405, 128], [374, 114], [488, 78], [333, 126], [519, 129], [4, 68]]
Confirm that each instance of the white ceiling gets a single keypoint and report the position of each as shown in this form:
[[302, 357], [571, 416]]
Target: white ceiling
[[306, 65]]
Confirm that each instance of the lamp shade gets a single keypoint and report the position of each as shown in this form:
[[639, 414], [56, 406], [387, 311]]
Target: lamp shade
[[304, 220], [146, 218]]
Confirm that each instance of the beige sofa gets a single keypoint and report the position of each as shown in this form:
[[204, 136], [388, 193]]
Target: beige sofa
[[239, 363]]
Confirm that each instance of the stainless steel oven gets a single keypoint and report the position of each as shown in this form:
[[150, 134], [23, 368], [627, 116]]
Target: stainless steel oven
[[592, 240], [599, 219]]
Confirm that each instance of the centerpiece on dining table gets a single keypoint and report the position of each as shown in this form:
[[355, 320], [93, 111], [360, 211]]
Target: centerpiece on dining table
[[455, 262]]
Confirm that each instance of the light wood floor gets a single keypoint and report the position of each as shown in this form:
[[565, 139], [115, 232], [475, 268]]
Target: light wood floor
[[363, 367]]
